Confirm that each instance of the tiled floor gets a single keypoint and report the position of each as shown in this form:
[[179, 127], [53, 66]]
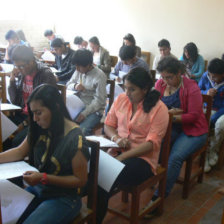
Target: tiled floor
[[176, 210]]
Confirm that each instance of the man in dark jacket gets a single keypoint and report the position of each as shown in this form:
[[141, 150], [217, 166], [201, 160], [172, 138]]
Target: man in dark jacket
[[26, 76], [63, 60]]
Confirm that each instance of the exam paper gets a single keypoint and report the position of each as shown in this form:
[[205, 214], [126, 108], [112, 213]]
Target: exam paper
[[104, 142], [48, 56]]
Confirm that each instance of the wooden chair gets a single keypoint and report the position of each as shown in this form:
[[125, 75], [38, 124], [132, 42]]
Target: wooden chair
[[189, 176], [88, 212], [135, 191], [146, 57], [206, 65], [114, 60], [221, 156], [153, 74], [62, 89], [3, 87]]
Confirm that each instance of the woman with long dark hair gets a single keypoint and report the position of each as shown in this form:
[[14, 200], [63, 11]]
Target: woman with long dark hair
[[129, 40], [193, 61], [57, 148], [137, 122]]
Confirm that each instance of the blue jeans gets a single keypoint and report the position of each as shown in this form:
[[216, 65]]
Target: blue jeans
[[90, 123], [183, 146], [52, 211]]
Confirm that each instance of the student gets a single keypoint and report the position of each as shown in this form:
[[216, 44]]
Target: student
[[129, 40], [137, 122], [80, 42], [29, 74], [57, 148], [183, 98], [212, 84], [101, 57], [90, 82], [50, 35], [63, 60], [128, 61], [22, 37], [193, 61], [13, 40], [164, 49]]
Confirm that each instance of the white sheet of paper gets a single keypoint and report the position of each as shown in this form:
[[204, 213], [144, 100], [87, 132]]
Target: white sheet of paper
[[122, 74], [109, 169], [104, 142], [71, 92], [14, 201], [53, 69], [9, 106], [48, 56], [7, 67], [8, 127], [74, 105], [14, 169]]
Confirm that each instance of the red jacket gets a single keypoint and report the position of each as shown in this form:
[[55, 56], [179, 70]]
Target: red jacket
[[193, 119]]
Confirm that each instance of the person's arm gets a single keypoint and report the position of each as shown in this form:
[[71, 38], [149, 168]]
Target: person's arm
[[79, 179], [49, 77], [73, 81], [66, 73], [202, 83], [15, 154], [106, 65], [201, 67]]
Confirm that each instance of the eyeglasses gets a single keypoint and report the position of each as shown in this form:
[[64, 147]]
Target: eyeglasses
[[167, 77]]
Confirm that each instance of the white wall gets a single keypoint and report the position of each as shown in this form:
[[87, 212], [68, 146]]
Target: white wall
[[179, 21]]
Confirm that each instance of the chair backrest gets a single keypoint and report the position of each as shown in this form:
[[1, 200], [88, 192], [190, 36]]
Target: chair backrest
[[153, 75], [3, 87], [165, 150], [62, 89], [114, 60], [110, 95], [93, 175], [206, 65], [146, 56], [207, 106]]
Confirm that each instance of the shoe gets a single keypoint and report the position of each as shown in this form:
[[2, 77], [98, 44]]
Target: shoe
[[207, 167]]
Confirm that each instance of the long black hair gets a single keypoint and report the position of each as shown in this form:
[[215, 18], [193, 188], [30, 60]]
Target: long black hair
[[142, 79], [192, 50], [49, 97]]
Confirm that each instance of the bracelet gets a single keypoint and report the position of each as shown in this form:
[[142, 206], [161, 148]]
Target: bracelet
[[44, 179], [112, 138]]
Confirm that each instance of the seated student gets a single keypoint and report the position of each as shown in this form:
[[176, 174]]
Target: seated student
[[183, 98], [26, 75], [13, 40], [212, 83], [101, 57], [50, 35], [80, 42], [22, 37], [164, 49], [57, 148], [193, 61], [63, 60], [129, 40], [128, 61], [90, 82], [137, 122]]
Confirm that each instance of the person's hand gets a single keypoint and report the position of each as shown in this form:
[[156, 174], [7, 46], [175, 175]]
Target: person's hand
[[14, 74], [120, 157], [118, 79], [212, 92], [176, 111], [192, 76], [123, 142], [80, 118], [79, 87], [32, 177]]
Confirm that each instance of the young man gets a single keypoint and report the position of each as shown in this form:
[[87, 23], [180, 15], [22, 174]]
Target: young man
[[63, 60], [164, 49], [26, 76], [80, 42], [212, 83], [13, 40], [50, 35], [90, 82], [128, 61]]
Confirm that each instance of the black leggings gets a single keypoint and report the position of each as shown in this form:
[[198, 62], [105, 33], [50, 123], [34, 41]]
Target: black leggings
[[135, 172]]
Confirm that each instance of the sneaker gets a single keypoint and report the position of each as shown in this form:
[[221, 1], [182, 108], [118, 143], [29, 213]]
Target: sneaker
[[207, 167]]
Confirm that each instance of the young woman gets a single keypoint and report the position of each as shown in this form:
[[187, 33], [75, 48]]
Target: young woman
[[56, 147], [183, 99], [193, 61], [137, 122]]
